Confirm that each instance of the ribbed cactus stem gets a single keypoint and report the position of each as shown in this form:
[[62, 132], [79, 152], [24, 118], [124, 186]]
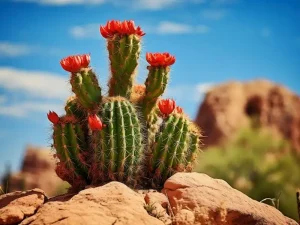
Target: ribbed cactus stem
[[70, 145], [74, 108], [156, 84], [193, 151], [174, 149], [124, 52], [153, 125], [177, 157], [119, 144], [86, 87]]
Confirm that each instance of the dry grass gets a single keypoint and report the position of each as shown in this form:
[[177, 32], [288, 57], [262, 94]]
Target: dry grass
[[1, 191]]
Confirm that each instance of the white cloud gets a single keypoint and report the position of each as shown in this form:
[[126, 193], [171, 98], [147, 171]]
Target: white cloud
[[36, 92], [224, 2], [213, 14], [203, 88], [188, 93], [9, 49], [154, 4], [168, 27], [2, 99], [163, 27], [86, 31], [35, 83], [132, 4], [265, 32], [23, 109], [64, 2]]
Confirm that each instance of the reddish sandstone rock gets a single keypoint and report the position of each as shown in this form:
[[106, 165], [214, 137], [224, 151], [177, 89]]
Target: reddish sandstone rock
[[153, 196], [199, 199], [113, 203], [228, 107], [15, 206], [157, 204], [191, 198]]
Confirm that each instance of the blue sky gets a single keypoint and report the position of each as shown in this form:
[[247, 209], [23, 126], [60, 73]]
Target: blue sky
[[213, 40]]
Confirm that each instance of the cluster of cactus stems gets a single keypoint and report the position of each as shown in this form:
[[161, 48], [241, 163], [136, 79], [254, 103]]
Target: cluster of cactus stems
[[131, 135]]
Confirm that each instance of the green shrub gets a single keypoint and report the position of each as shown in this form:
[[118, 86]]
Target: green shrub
[[259, 165]]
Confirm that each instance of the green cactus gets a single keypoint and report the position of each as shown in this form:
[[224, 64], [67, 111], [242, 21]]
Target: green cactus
[[130, 136], [124, 52], [118, 146], [71, 148], [74, 108], [156, 84], [85, 86], [173, 149]]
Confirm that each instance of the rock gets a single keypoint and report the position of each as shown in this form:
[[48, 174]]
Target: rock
[[228, 107], [37, 171], [156, 210], [113, 203], [191, 198], [15, 206], [156, 204], [213, 201], [184, 217], [156, 197]]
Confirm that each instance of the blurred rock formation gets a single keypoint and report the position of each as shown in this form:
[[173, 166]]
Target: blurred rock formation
[[37, 171], [228, 107]]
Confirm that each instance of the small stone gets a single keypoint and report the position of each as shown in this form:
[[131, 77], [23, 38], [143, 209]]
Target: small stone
[[15, 206]]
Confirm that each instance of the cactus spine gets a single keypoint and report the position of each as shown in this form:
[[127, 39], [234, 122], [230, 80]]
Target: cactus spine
[[124, 52], [85, 86], [118, 146], [74, 108], [156, 84], [171, 148], [71, 147], [130, 136]]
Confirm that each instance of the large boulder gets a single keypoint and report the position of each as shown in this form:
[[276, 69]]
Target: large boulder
[[199, 199], [113, 203], [228, 107], [187, 199]]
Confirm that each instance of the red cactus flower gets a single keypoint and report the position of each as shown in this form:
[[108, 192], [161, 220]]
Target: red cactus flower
[[179, 109], [74, 63], [53, 117], [85, 60], [123, 28], [95, 122], [160, 59], [166, 106]]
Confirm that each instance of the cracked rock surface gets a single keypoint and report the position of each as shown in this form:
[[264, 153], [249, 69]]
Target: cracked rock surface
[[196, 198], [187, 199], [15, 206], [113, 203]]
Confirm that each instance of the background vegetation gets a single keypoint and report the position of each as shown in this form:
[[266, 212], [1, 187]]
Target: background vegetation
[[259, 165]]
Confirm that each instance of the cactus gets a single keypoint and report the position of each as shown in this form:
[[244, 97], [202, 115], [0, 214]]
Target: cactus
[[123, 45], [74, 108], [122, 133], [131, 135], [157, 80], [71, 148]]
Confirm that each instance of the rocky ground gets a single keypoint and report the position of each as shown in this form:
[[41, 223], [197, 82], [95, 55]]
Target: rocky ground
[[186, 199]]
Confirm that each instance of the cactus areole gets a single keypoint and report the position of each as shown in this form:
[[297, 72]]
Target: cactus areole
[[132, 135]]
